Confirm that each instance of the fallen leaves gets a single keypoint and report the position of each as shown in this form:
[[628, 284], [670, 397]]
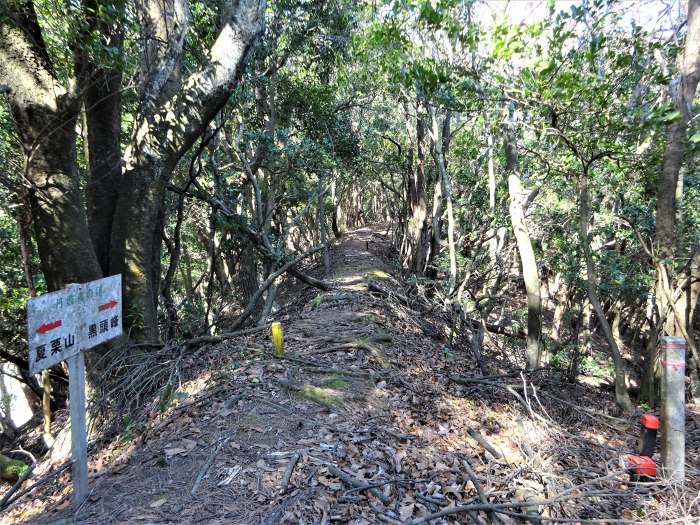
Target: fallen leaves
[[182, 448]]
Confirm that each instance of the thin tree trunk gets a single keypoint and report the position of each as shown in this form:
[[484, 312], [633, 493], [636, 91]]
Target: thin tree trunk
[[676, 145], [562, 296], [621, 393], [337, 232], [581, 337], [175, 254], [441, 142], [527, 254], [493, 240], [418, 230], [24, 221], [692, 311], [323, 230]]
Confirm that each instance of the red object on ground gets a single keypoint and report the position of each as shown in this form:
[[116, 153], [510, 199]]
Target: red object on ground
[[650, 421], [647, 439], [641, 466]]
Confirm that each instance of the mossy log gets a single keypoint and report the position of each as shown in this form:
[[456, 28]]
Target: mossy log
[[11, 469]]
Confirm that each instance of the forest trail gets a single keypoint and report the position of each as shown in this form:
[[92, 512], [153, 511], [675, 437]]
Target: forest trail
[[360, 423]]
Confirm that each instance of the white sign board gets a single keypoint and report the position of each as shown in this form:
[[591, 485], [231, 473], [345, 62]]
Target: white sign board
[[81, 316], [60, 326]]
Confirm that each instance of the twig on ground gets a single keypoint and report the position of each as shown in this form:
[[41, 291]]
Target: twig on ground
[[290, 469], [319, 369], [348, 480], [223, 337], [589, 412], [482, 441], [381, 516], [569, 494], [207, 465]]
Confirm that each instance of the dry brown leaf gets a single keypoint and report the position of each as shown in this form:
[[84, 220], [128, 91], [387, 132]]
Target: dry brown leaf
[[406, 510]]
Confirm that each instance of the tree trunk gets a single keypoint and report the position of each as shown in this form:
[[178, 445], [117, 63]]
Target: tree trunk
[[175, 249], [561, 302], [527, 254], [694, 327], [418, 227], [337, 231], [676, 145], [170, 122], [441, 141], [621, 394], [435, 228], [103, 118], [248, 281], [323, 229]]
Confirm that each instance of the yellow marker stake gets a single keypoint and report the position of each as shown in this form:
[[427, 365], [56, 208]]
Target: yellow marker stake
[[278, 339]]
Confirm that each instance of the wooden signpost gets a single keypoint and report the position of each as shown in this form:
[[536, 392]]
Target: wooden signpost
[[61, 326]]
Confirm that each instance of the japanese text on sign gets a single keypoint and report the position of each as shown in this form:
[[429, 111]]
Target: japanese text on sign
[[82, 316]]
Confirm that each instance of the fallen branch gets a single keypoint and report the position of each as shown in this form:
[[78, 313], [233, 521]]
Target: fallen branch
[[319, 369], [7, 501], [356, 483], [227, 335], [507, 387], [290, 469], [311, 281], [482, 441], [207, 465], [21, 479], [590, 412], [569, 494], [268, 282], [477, 486], [374, 287]]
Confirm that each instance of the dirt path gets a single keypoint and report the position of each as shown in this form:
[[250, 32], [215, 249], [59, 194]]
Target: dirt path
[[359, 424]]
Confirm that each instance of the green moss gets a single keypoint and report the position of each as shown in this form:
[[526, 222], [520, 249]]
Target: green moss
[[328, 397], [11, 469], [316, 301], [337, 383]]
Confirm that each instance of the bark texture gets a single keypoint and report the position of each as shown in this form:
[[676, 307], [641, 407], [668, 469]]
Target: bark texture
[[674, 154], [171, 119], [527, 254], [45, 114]]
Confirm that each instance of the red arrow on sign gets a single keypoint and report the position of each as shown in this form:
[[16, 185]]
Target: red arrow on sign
[[47, 327], [107, 306]]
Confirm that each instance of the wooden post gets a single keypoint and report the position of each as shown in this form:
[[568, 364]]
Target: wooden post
[[673, 408], [78, 430]]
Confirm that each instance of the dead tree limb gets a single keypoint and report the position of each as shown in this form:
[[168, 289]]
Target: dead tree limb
[[290, 469], [311, 281], [356, 483], [268, 282], [476, 436], [227, 335]]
